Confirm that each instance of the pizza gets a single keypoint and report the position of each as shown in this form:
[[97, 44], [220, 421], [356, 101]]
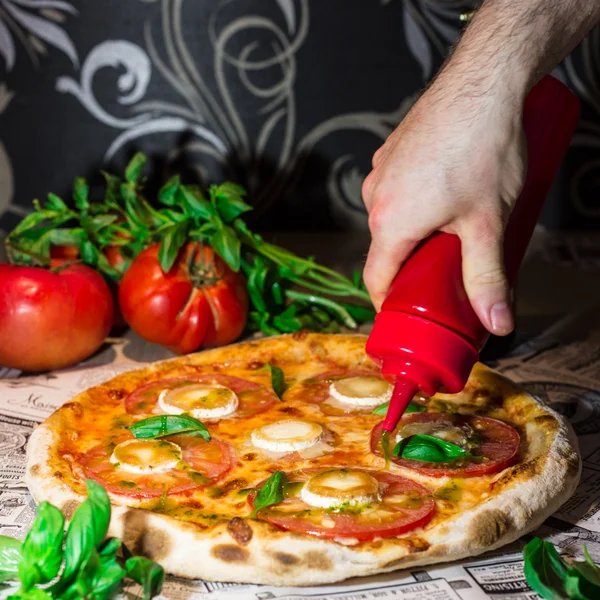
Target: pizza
[[264, 462]]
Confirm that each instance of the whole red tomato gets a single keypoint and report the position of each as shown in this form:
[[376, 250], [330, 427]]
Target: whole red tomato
[[200, 302], [51, 320], [61, 255]]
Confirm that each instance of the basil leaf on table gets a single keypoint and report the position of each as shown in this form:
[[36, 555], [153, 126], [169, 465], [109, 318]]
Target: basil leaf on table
[[228, 197], [147, 573], [111, 546], [227, 245], [107, 577], [270, 492], [80, 194], [174, 238], [42, 551], [163, 425], [10, 557], [583, 579], [193, 203], [35, 594], [412, 407], [87, 529], [134, 169], [277, 379], [545, 570], [428, 449], [168, 192]]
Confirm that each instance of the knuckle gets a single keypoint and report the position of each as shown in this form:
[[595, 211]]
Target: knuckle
[[487, 228], [366, 189], [378, 217], [377, 157], [493, 277]]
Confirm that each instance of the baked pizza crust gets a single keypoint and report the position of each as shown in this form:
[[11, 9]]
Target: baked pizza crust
[[253, 551]]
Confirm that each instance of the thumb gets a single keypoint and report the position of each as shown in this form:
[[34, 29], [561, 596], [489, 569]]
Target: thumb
[[483, 274]]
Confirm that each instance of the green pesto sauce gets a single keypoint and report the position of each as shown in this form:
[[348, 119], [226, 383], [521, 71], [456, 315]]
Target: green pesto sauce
[[452, 491]]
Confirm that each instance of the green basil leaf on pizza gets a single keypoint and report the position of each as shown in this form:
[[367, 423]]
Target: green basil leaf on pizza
[[270, 492], [163, 425], [427, 448], [277, 379]]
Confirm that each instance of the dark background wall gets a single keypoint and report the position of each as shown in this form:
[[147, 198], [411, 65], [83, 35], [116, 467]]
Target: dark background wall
[[288, 97]]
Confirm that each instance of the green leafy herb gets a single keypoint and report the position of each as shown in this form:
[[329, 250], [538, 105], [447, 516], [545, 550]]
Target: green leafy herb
[[147, 573], [10, 557], [80, 195], [163, 425], [174, 238], [287, 292], [412, 407], [270, 492], [428, 449], [548, 574], [91, 567], [277, 379], [42, 550], [135, 167], [87, 528], [545, 570]]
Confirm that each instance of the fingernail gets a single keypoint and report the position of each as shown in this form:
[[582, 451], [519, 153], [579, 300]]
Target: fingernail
[[501, 318]]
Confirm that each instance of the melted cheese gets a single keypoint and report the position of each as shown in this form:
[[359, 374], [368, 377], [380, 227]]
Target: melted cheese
[[146, 456], [361, 391], [340, 487], [287, 436], [201, 400]]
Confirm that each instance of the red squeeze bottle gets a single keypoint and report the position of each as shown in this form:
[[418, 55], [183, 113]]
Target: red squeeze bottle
[[427, 334]]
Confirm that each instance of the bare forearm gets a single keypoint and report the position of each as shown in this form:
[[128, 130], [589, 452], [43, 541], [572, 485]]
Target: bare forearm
[[513, 43]]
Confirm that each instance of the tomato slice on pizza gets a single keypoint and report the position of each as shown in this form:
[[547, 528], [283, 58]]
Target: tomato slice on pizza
[[482, 445], [150, 468], [207, 397], [351, 504]]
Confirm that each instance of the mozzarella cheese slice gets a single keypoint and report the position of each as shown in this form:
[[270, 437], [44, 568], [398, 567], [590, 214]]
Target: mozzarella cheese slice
[[340, 486], [361, 391], [201, 400], [439, 429], [287, 436], [146, 456]]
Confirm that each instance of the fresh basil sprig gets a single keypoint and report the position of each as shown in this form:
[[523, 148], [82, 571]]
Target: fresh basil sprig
[[42, 550], [82, 563], [10, 557], [162, 425], [412, 407], [147, 573], [428, 449], [553, 578], [287, 292], [277, 379], [270, 492]]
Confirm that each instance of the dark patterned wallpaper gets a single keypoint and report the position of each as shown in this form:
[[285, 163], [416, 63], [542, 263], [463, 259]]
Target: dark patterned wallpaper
[[288, 97]]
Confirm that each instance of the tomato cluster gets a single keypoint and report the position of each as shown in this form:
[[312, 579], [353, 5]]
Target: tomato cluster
[[50, 319]]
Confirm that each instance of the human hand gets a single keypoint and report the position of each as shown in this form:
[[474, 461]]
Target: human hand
[[456, 163]]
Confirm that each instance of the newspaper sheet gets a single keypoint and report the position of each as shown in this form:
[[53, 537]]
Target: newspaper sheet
[[561, 366]]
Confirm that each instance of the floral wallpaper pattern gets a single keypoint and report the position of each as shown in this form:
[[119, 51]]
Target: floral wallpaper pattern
[[288, 97]]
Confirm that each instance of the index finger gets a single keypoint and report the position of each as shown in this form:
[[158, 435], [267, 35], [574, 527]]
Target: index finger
[[382, 265]]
